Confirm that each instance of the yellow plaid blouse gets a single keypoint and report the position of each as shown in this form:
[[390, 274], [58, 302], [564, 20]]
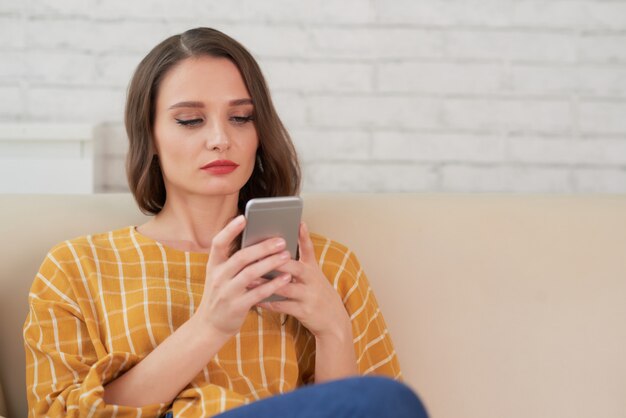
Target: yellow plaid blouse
[[100, 303]]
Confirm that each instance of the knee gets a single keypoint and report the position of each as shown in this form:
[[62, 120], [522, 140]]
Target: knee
[[381, 397]]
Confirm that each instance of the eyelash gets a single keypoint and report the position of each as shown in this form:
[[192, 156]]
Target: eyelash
[[239, 120]]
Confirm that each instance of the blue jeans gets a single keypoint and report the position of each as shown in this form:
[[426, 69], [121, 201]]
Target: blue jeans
[[356, 397]]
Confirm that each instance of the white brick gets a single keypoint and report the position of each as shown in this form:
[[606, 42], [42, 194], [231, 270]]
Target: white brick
[[325, 145], [98, 36], [367, 112], [145, 9], [603, 48], [12, 33], [552, 14], [553, 116], [603, 117], [547, 14], [12, 66], [543, 79], [63, 7], [422, 147], [577, 14], [291, 109], [129, 36], [12, 7], [604, 15], [12, 103], [318, 76], [602, 81], [69, 34], [116, 69], [84, 105], [268, 40], [372, 177], [602, 151], [588, 80], [443, 13], [538, 150], [59, 67], [375, 43], [25, 150], [568, 151], [600, 180], [512, 45], [440, 77], [323, 11], [460, 178]]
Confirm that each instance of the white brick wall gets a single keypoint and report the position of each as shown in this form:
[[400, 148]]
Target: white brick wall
[[379, 95]]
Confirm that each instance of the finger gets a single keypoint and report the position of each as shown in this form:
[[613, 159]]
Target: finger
[[220, 245], [254, 271], [292, 291], [256, 295], [253, 253], [288, 307], [297, 269], [256, 282], [307, 251], [303, 273]]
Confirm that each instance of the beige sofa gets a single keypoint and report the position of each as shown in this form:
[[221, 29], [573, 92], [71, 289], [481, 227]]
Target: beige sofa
[[499, 305]]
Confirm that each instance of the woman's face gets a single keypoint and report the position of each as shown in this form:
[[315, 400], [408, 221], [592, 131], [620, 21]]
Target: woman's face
[[204, 130]]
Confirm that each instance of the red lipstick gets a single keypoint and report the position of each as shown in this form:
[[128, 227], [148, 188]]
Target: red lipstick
[[220, 167]]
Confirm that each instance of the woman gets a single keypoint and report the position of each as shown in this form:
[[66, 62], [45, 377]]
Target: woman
[[167, 318]]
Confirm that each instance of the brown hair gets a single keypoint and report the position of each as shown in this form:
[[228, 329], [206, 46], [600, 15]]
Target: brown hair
[[276, 172]]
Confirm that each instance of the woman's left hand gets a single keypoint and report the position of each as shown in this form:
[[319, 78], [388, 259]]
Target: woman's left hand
[[312, 300]]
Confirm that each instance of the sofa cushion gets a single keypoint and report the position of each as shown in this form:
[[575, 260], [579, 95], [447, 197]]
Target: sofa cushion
[[498, 305]]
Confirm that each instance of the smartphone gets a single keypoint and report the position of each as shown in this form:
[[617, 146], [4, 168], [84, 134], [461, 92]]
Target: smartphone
[[269, 217]]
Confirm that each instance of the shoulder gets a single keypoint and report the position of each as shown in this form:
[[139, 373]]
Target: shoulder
[[338, 262], [88, 243], [67, 254], [66, 263], [327, 248]]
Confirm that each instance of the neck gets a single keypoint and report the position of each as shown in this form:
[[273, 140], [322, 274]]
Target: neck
[[191, 222]]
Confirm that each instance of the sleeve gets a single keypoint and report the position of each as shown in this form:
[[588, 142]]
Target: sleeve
[[374, 349], [64, 376]]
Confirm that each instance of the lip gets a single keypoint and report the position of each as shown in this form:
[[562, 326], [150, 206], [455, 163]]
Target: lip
[[220, 163], [220, 167]]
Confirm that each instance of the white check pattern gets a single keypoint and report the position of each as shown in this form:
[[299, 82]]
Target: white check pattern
[[101, 303]]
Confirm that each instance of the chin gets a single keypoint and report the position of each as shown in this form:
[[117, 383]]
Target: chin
[[214, 187], [221, 190]]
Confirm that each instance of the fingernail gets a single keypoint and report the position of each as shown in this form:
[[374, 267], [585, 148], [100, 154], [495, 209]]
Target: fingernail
[[280, 243], [286, 278], [285, 255]]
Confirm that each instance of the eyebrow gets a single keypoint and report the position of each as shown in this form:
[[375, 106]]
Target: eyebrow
[[236, 102]]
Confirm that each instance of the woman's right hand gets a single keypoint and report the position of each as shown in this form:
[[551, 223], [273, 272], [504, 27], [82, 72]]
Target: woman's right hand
[[230, 289]]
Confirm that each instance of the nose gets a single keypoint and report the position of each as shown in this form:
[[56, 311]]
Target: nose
[[217, 137]]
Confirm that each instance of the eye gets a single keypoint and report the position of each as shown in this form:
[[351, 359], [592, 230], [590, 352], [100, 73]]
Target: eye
[[241, 120], [189, 122]]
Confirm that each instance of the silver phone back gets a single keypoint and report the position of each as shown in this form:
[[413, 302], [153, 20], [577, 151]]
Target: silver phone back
[[273, 217]]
